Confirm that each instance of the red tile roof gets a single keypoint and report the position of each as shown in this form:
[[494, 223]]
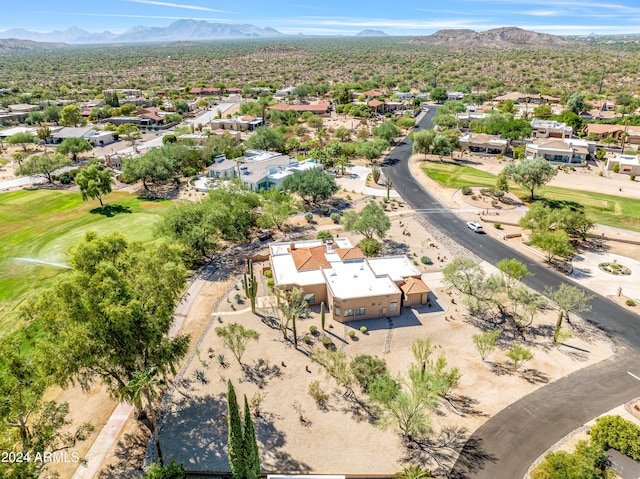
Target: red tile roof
[[375, 103], [350, 253], [414, 286], [373, 93], [307, 259]]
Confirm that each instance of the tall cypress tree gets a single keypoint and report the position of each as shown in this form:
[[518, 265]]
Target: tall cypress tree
[[236, 452], [252, 463]]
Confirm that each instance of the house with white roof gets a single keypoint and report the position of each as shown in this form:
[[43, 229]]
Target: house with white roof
[[352, 286], [567, 150], [550, 129], [259, 169], [628, 164], [484, 144]]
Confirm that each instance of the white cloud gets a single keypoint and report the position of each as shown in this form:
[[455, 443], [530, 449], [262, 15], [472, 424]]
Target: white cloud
[[175, 5], [387, 22], [127, 15], [540, 13]]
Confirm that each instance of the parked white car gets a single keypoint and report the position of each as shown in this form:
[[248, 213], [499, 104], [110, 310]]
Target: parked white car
[[475, 227]]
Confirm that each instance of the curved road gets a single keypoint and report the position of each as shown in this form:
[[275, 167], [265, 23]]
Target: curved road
[[509, 442]]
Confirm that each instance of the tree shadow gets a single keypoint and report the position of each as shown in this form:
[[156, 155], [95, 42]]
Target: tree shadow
[[391, 248], [261, 372], [533, 376], [352, 404], [472, 458], [110, 210], [558, 204], [130, 452], [194, 433], [499, 369], [465, 405], [442, 450]]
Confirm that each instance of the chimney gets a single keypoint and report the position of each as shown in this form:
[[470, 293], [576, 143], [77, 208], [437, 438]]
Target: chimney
[[292, 246]]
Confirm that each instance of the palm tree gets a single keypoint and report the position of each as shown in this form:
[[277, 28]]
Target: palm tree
[[145, 386]]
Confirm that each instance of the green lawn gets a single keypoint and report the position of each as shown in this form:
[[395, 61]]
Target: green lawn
[[42, 225], [604, 209]]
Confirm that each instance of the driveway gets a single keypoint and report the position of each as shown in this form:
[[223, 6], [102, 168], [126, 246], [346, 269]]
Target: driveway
[[359, 184]]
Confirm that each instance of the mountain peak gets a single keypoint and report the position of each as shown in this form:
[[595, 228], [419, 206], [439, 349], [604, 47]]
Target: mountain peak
[[371, 33]]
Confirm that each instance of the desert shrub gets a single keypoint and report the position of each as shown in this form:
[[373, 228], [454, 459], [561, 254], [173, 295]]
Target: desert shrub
[[616, 168], [325, 210], [267, 273], [307, 339], [313, 330], [632, 177], [630, 302], [317, 393], [466, 190], [599, 173], [617, 433], [270, 283], [335, 217], [426, 260], [497, 225], [326, 341], [366, 369], [324, 235], [351, 333], [370, 247], [363, 329], [486, 192], [308, 216]]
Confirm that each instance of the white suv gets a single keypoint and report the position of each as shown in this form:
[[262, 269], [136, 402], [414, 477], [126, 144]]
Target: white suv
[[475, 227]]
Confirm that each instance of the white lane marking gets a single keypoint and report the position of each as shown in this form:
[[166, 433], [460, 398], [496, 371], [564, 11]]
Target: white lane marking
[[633, 375]]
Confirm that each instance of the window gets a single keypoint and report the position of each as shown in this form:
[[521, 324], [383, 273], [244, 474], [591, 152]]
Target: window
[[348, 312], [393, 306], [360, 312], [336, 310], [310, 298]]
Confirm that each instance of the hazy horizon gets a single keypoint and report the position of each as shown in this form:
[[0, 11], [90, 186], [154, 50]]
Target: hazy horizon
[[559, 17]]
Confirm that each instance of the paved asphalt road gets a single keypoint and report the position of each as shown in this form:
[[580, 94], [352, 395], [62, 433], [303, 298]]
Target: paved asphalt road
[[508, 443]]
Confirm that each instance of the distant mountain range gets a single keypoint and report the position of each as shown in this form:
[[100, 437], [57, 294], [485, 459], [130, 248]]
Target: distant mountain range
[[371, 33], [505, 37], [179, 30], [14, 45]]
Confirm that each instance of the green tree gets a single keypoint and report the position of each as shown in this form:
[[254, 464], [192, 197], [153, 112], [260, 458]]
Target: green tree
[[236, 446], [156, 166], [94, 182], [44, 132], [367, 368], [387, 131], [73, 147], [313, 186], [290, 306], [52, 113], [577, 103], [44, 165], [315, 121], [129, 132], [554, 243], [71, 116], [171, 471], [445, 121], [111, 99], [587, 462], [568, 299], [371, 149], [22, 139], [486, 342], [617, 433], [110, 316], [519, 355], [438, 94], [370, 247], [531, 174], [502, 183], [342, 132], [252, 459], [513, 271], [543, 111], [371, 221], [441, 146], [423, 141], [236, 339], [276, 208], [265, 138]]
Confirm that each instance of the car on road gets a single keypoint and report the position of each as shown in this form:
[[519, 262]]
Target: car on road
[[353, 176], [475, 227]]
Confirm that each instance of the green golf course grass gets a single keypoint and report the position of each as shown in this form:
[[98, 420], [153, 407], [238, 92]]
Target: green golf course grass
[[42, 225], [607, 210]]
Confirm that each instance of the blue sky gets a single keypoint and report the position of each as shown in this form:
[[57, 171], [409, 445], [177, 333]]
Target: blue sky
[[409, 17]]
